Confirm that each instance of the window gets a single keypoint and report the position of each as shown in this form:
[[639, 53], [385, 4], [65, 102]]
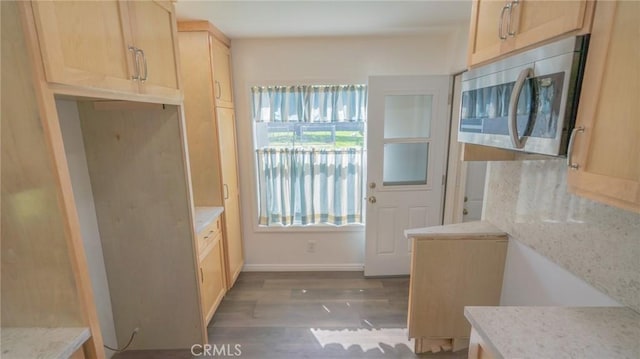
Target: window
[[309, 144]]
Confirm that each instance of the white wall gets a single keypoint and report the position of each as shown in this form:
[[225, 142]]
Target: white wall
[[83, 195], [339, 60], [532, 279]]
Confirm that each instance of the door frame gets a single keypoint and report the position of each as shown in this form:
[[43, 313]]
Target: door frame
[[456, 170]]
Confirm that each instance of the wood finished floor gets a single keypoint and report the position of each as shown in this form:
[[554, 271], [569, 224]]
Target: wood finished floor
[[310, 315]]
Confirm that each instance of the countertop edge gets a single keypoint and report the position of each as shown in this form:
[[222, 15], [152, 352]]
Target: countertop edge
[[64, 348], [203, 216], [485, 338], [476, 229]]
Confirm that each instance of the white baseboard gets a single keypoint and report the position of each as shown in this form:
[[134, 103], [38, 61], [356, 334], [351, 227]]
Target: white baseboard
[[353, 267]]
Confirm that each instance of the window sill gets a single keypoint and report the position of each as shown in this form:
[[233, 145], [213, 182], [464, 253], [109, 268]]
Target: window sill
[[310, 228]]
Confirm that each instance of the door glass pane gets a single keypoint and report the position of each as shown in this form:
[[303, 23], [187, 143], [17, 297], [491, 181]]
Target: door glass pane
[[405, 164], [407, 116]]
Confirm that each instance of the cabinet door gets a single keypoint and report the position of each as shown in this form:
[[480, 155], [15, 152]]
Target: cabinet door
[[212, 280], [231, 195], [154, 31], [484, 40], [85, 43], [607, 152], [223, 88], [526, 23], [536, 21]]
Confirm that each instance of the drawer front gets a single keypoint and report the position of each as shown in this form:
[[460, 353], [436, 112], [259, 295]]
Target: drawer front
[[207, 235]]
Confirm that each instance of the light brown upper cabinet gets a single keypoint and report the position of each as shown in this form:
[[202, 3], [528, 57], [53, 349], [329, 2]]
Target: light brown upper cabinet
[[126, 47], [223, 89], [500, 27], [605, 158]]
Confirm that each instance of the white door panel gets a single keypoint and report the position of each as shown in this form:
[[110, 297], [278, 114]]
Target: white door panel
[[406, 152]]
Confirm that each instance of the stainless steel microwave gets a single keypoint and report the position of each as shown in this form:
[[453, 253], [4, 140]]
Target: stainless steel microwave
[[526, 102]]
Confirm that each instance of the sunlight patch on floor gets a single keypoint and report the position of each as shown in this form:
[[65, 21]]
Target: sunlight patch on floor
[[366, 339]]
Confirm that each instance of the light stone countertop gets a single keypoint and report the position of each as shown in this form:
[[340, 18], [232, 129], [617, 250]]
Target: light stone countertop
[[206, 215], [41, 343], [469, 229], [558, 332]]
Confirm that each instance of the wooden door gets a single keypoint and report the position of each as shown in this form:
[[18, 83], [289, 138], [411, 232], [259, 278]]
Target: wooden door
[[212, 280], [154, 32], [607, 152], [484, 39], [223, 88], [85, 43], [536, 21], [231, 194]]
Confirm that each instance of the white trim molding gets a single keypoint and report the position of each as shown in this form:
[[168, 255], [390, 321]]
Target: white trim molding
[[346, 267]]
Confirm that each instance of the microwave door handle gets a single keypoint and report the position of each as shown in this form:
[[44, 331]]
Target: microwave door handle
[[513, 107]]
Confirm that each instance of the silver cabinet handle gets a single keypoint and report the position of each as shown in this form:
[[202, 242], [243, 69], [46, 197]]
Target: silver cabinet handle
[[226, 191], [504, 8], [134, 52], [513, 4], [513, 107], [219, 88], [576, 130], [144, 77]]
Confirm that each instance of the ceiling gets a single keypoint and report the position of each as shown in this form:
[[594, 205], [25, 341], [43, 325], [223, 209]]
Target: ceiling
[[255, 19]]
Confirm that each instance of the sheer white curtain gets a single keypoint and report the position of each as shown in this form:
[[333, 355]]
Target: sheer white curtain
[[306, 185]]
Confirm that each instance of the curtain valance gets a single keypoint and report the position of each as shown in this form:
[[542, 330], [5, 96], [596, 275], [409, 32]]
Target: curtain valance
[[335, 103]]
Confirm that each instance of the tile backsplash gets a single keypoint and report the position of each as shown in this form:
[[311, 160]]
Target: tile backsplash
[[599, 243]]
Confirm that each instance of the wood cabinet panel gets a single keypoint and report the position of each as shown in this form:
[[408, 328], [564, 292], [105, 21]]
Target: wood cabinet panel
[[199, 110], [451, 270], [109, 45], [233, 239], [223, 87], [85, 43], [228, 151], [484, 39], [211, 132], [607, 152], [154, 32], [537, 21], [231, 195], [448, 274], [525, 23], [212, 287]]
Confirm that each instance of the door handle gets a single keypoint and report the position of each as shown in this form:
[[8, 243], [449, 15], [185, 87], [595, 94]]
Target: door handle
[[219, 88], [513, 4], [144, 77], [500, 24], [372, 199], [136, 74], [513, 107], [576, 130], [226, 191]]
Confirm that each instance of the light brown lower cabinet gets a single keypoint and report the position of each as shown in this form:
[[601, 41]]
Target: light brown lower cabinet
[[212, 281], [211, 268], [447, 274]]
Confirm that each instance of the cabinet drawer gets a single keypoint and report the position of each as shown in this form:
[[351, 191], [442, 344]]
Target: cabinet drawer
[[208, 234]]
